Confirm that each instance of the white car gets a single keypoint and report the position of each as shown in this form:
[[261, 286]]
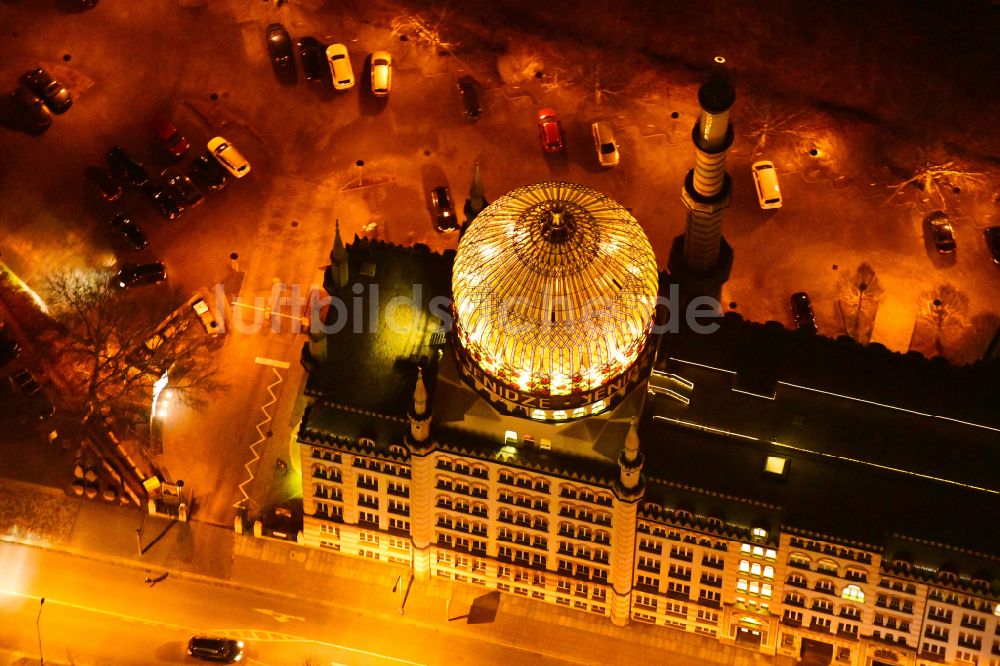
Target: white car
[[765, 179], [381, 73], [340, 66], [604, 142], [229, 157]]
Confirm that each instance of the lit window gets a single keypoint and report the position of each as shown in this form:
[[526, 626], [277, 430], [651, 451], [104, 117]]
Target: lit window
[[538, 414], [745, 548], [558, 415], [741, 584], [996, 610], [854, 593], [544, 444], [758, 551], [769, 571], [597, 407], [765, 590], [744, 566], [578, 412], [759, 532], [770, 554], [776, 465], [510, 437], [754, 587], [755, 569]]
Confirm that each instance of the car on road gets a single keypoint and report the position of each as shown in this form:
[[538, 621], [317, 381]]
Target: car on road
[[381, 73], [313, 57], [126, 168], [992, 235], [279, 46], [444, 209], [169, 137], [228, 157], [129, 230], [163, 200], [32, 110], [604, 142], [210, 648], [134, 275], [207, 173], [181, 188], [942, 233], [802, 312], [340, 66], [468, 88], [54, 94], [550, 131], [765, 180], [102, 182]]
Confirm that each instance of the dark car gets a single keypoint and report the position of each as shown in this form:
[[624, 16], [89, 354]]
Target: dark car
[[9, 350], [126, 168], [992, 235], [207, 173], [215, 649], [134, 275], [55, 94], [444, 209], [163, 201], [550, 131], [182, 189], [313, 55], [279, 46], [468, 88], [103, 183], [169, 137], [32, 110], [133, 235], [942, 233], [802, 312]]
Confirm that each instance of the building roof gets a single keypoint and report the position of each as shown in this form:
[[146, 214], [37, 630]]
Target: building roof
[[551, 282]]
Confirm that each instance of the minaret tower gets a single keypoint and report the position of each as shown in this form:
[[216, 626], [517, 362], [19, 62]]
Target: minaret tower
[[629, 489], [336, 275], [701, 259], [421, 448]]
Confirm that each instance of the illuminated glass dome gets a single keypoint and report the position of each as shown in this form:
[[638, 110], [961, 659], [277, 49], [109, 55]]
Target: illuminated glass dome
[[554, 287]]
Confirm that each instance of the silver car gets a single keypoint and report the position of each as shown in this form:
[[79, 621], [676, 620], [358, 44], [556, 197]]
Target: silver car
[[604, 142]]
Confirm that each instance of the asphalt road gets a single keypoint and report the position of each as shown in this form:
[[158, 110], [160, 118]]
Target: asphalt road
[[97, 613], [204, 65]]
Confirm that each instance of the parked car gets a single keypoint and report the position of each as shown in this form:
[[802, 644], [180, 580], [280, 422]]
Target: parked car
[[381, 73], [468, 88], [313, 57], [340, 66], [444, 209], [207, 173], [134, 275], [54, 94], [992, 235], [604, 142], [279, 46], [169, 137], [182, 189], [210, 648], [129, 230], [102, 182], [765, 179], [550, 131], [802, 312], [163, 201], [229, 157], [9, 350], [31, 108], [126, 168], [25, 383], [205, 316], [941, 232]]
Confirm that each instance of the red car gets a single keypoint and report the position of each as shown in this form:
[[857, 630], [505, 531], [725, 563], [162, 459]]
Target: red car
[[550, 131], [169, 136]]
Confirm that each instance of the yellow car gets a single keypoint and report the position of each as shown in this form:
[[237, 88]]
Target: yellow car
[[228, 157]]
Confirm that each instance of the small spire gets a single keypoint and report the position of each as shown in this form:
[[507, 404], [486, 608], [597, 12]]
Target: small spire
[[477, 197], [339, 252], [632, 442], [420, 395]]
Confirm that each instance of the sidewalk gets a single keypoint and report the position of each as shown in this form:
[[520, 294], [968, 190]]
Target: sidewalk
[[46, 517]]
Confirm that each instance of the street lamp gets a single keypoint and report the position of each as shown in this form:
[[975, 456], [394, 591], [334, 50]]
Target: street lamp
[[38, 630]]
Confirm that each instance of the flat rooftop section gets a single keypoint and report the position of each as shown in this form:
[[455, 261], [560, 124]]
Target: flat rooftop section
[[868, 453], [371, 361]]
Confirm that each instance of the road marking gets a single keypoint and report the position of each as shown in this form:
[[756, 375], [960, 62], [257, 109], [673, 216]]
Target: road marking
[[261, 433], [280, 617], [270, 361], [99, 611]]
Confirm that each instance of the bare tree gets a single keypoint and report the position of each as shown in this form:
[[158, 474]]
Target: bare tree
[[945, 307], [859, 289], [935, 175], [766, 119], [119, 343]]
